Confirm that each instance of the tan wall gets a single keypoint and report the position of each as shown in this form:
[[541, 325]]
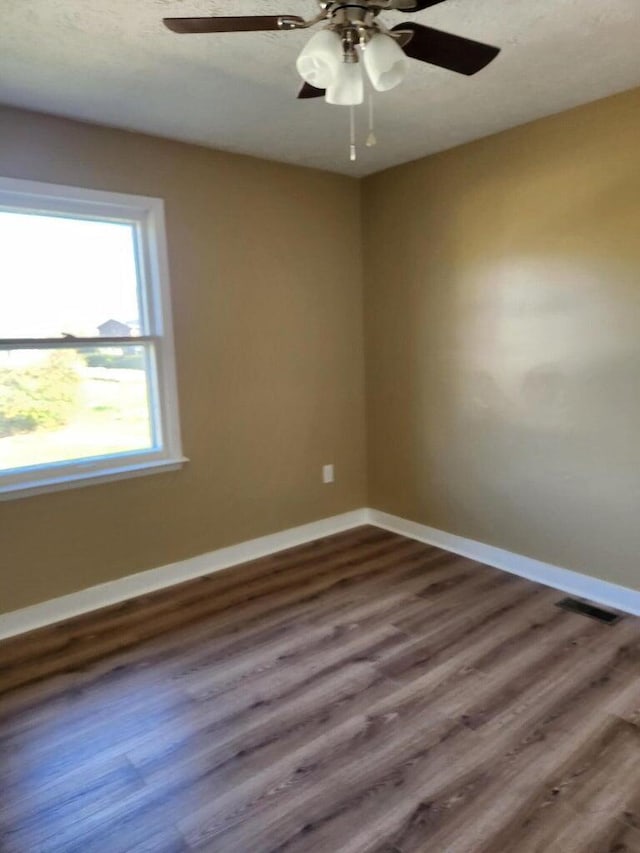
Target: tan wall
[[503, 339], [266, 287], [503, 348]]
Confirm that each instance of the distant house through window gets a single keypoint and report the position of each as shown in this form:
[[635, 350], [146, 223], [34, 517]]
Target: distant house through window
[[115, 329], [87, 374]]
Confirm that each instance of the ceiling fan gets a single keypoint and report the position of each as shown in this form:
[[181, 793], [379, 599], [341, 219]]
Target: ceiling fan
[[330, 63]]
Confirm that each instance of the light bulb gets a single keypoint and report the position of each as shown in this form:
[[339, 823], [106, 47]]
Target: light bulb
[[347, 87], [385, 61], [320, 59]]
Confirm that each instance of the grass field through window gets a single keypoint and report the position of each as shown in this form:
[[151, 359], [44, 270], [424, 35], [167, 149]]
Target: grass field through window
[[109, 413]]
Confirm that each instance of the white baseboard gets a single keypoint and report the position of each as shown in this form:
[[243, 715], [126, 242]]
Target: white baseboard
[[576, 584], [113, 592]]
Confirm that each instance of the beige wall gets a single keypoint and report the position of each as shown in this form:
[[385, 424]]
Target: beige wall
[[266, 281], [503, 339]]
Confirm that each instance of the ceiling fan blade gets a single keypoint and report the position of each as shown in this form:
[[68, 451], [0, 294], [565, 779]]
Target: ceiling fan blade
[[309, 91], [446, 50], [244, 23], [413, 5]]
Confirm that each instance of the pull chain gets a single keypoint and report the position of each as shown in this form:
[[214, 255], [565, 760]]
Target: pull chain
[[371, 138], [352, 134]]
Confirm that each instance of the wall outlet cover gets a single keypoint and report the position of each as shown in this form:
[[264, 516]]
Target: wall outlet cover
[[327, 474]]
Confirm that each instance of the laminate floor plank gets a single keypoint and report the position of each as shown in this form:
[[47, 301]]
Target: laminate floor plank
[[327, 589], [363, 693], [402, 713], [387, 772], [301, 559], [83, 648]]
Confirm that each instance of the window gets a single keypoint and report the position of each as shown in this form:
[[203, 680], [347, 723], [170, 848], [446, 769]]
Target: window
[[87, 374]]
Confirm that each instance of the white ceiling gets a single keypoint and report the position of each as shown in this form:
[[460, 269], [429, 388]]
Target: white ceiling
[[112, 62]]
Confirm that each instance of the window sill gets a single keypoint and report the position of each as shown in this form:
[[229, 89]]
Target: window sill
[[74, 481]]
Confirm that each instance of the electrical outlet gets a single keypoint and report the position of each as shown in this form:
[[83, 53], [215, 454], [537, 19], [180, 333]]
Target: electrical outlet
[[327, 474]]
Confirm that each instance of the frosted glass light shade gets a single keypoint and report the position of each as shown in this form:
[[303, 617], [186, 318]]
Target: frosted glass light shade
[[320, 59], [385, 61], [347, 87]]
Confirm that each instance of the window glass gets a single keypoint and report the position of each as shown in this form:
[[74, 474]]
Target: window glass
[[62, 276], [87, 373], [66, 404]]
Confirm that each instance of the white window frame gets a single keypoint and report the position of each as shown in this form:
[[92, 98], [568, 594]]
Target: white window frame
[[147, 216]]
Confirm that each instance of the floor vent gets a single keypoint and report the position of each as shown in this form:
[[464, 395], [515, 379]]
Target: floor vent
[[589, 610]]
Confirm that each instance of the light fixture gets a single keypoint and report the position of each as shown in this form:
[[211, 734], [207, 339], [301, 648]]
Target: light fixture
[[332, 64], [319, 61], [331, 61], [347, 87], [385, 61], [353, 36]]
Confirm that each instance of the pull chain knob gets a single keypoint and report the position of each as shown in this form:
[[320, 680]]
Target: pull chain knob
[[352, 134], [371, 138]]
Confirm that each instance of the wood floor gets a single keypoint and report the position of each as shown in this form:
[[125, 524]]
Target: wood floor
[[360, 694]]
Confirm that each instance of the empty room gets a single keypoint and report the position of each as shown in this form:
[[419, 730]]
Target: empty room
[[320, 426]]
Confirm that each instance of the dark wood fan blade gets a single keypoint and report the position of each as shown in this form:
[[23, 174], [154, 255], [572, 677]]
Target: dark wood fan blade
[[446, 50], [245, 23], [413, 5], [309, 91]]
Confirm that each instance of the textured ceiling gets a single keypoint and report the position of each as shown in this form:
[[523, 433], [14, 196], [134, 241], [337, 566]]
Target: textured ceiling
[[112, 62]]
